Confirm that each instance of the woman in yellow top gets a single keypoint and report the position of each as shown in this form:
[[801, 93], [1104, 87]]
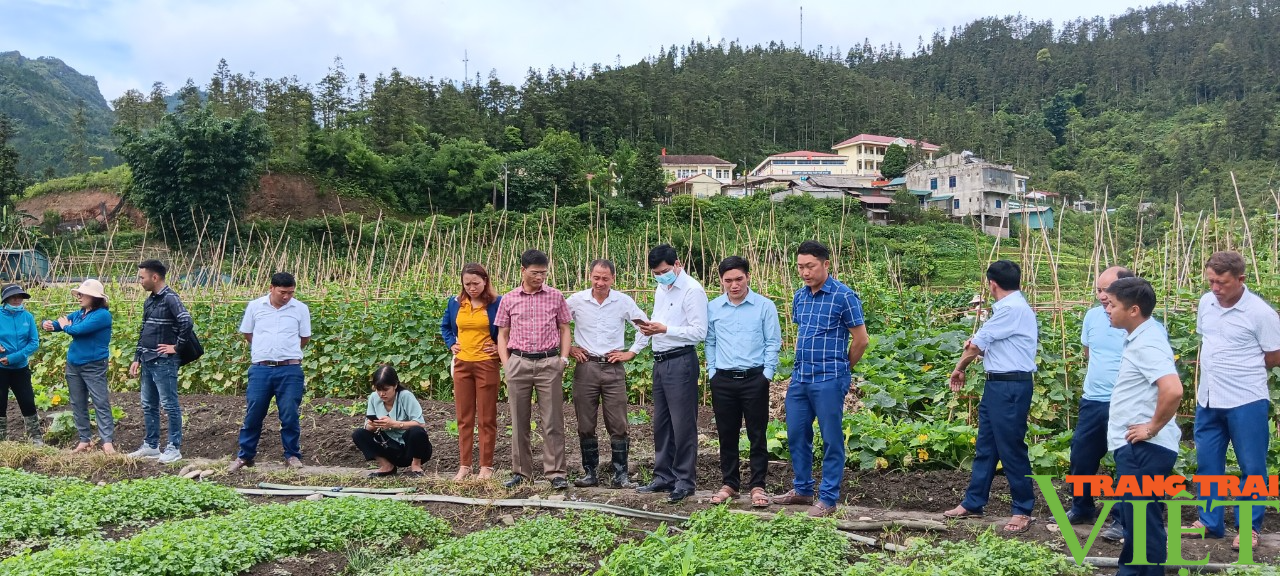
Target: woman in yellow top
[[469, 331]]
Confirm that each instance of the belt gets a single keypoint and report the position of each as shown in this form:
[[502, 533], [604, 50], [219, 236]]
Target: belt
[[741, 374], [673, 353], [536, 355], [598, 359], [274, 363], [1008, 376]]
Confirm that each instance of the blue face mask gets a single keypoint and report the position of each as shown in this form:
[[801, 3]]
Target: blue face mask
[[666, 278], [12, 308]]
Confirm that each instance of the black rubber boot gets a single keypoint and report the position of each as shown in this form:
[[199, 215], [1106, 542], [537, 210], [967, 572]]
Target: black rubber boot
[[620, 448], [33, 429], [590, 460]]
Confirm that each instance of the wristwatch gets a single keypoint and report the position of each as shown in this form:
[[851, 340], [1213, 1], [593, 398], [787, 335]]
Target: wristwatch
[[565, 359]]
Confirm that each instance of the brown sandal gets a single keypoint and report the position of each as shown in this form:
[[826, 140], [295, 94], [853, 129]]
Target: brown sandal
[[760, 498], [1013, 527], [724, 495]]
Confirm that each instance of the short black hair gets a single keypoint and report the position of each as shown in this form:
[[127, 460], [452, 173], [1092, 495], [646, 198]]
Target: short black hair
[[1123, 273], [814, 248], [603, 263], [1006, 274], [283, 280], [155, 266], [734, 263], [662, 254], [1134, 291], [534, 257]]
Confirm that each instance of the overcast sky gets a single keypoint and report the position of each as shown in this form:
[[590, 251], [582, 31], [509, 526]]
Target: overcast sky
[[132, 43]]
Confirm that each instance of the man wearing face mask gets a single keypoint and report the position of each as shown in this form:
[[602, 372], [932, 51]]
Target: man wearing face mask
[[679, 323]]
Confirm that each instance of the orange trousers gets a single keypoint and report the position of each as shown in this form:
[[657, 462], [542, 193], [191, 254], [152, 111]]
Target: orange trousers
[[475, 396]]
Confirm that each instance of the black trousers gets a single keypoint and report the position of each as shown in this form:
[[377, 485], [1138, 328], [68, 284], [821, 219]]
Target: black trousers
[[675, 421], [734, 400], [373, 444], [18, 380]]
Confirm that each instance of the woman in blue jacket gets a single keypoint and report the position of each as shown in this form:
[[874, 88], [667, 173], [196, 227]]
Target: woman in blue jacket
[[468, 329], [90, 331], [19, 339]]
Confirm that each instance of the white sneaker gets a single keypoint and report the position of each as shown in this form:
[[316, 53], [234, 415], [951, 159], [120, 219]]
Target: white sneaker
[[170, 454], [144, 452]]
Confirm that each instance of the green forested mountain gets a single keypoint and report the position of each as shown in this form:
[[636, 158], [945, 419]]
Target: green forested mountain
[[60, 118], [1159, 103]]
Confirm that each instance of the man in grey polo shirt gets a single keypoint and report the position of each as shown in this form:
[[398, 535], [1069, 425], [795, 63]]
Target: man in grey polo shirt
[[277, 327], [1240, 344], [1141, 432]]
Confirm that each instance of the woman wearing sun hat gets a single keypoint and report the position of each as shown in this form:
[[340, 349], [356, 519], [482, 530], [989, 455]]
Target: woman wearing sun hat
[[90, 331], [19, 339]]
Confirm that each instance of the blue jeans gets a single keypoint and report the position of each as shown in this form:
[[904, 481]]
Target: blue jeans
[[1002, 433], [1248, 429], [823, 400], [1143, 459], [1088, 447], [286, 385], [160, 390]]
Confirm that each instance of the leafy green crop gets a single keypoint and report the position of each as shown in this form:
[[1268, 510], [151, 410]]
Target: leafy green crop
[[18, 484], [991, 554], [78, 508], [231, 544], [725, 543], [540, 545]]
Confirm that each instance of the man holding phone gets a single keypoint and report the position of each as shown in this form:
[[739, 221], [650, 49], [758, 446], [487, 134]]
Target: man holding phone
[[679, 324], [600, 316]]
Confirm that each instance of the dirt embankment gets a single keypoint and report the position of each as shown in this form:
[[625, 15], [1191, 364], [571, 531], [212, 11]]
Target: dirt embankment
[[278, 196]]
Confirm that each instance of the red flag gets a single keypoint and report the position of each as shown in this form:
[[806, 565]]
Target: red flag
[[664, 151]]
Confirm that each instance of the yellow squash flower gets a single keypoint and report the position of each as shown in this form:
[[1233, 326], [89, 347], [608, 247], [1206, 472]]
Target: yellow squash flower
[[56, 400], [926, 368], [922, 455], [922, 437]]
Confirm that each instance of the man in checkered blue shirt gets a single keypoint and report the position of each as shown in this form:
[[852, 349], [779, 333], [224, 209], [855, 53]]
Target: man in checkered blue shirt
[[832, 337]]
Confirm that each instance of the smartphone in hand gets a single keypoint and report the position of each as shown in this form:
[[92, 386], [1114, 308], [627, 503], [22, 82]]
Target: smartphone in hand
[[371, 417]]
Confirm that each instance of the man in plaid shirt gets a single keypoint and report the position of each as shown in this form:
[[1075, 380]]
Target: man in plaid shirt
[[533, 345], [832, 337]]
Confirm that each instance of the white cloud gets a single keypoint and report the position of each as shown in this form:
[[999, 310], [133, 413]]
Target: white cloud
[[131, 43]]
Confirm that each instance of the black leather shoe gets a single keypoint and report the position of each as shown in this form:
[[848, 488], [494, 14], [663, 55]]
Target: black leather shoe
[[1078, 518], [515, 480], [655, 487], [679, 494], [559, 483], [1112, 532]]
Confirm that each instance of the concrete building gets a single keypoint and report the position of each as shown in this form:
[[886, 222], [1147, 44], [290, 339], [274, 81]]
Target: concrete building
[[967, 187], [865, 152], [801, 163], [700, 185], [679, 167]]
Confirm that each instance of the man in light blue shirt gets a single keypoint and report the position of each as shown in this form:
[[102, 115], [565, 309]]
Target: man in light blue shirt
[[1141, 432], [743, 339], [1007, 343], [1103, 344]]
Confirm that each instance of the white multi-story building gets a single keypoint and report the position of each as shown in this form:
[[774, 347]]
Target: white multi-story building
[[802, 163], [865, 152], [680, 167], [965, 186]]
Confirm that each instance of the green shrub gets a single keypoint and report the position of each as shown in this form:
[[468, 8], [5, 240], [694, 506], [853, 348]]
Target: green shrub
[[539, 545], [226, 545], [726, 543], [78, 508], [991, 554]]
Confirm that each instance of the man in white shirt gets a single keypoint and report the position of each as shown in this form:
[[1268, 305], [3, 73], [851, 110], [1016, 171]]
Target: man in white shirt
[[277, 328], [600, 318], [1240, 344], [679, 323]]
